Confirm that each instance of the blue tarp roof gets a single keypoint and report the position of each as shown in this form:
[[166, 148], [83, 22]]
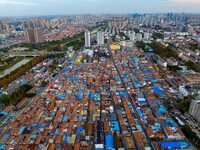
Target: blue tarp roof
[[109, 142], [162, 109], [68, 135], [157, 90], [79, 130], [122, 93], [174, 144], [142, 102], [3, 146], [116, 125], [4, 113], [136, 85], [23, 82], [140, 111], [173, 80]]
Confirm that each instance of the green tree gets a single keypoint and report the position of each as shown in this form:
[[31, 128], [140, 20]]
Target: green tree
[[44, 83], [169, 107], [116, 139]]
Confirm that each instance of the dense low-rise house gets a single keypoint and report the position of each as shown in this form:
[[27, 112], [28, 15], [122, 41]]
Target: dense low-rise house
[[86, 102], [162, 62], [172, 61]]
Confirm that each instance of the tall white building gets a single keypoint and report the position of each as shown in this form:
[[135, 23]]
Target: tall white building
[[146, 36], [87, 38], [100, 38], [194, 109], [139, 36], [132, 36]]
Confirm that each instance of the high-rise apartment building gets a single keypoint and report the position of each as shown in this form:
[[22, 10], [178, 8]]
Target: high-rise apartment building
[[146, 35], [39, 38], [139, 36], [4, 22], [132, 37], [194, 109], [100, 38], [8, 28], [1, 30], [36, 22], [65, 19], [30, 35], [87, 38], [26, 24]]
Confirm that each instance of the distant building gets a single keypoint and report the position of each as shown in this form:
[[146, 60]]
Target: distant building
[[26, 24], [36, 22], [139, 36], [162, 62], [172, 61], [38, 35], [1, 31], [132, 37], [189, 90], [146, 35], [194, 109], [8, 28], [34, 35], [100, 38], [87, 38], [30, 35]]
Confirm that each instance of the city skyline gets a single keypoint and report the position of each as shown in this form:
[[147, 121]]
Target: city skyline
[[53, 7]]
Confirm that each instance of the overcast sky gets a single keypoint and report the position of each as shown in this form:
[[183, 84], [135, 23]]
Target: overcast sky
[[65, 7]]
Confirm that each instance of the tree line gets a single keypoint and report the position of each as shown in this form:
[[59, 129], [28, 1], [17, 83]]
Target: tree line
[[163, 51], [16, 97], [4, 81], [192, 136], [193, 66]]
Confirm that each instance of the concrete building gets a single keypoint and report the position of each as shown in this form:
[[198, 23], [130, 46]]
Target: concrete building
[[162, 62], [139, 36], [30, 35], [146, 35], [132, 37], [100, 38], [26, 24], [8, 28], [172, 61], [36, 22], [87, 38], [1, 30], [38, 35], [194, 109], [191, 90]]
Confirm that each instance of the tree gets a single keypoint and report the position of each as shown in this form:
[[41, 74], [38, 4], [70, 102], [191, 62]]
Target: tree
[[116, 139], [85, 126], [20, 95], [44, 83], [157, 95], [169, 107]]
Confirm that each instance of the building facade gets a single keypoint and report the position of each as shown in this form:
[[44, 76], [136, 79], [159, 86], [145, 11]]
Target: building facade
[[87, 38], [30, 35], [38, 35], [100, 38]]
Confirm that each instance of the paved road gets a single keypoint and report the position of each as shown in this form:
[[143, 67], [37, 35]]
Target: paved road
[[132, 101]]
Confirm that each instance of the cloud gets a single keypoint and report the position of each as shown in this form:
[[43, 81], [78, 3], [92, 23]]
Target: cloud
[[16, 2], [187, 1]]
